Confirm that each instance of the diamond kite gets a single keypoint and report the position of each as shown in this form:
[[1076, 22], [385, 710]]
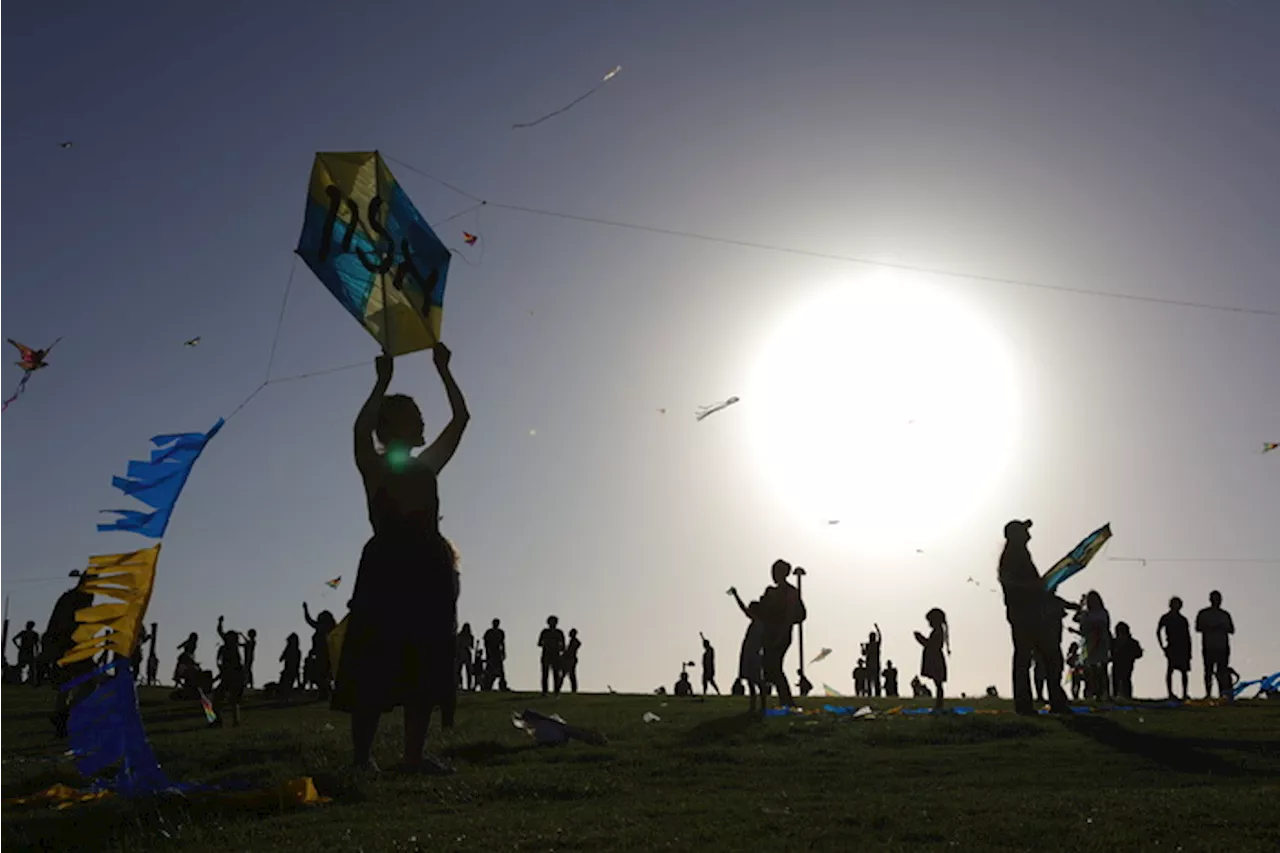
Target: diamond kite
[[30, 360], [369, 245]]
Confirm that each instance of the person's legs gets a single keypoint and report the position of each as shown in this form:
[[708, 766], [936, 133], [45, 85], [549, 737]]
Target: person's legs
[[1208, 674], [1049, 652], [1224, 674], [1168, 679], [938, 690], [546, 672], [1185, 693], [1023, 643], [716, 686], [364, 726], [417, 720], [573, 677], [773, 670]]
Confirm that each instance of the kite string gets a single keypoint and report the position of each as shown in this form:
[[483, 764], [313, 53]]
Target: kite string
[[831, 256], [284, 303]]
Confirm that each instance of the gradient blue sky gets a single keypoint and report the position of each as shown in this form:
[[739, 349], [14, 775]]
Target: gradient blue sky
[[1128, 147]]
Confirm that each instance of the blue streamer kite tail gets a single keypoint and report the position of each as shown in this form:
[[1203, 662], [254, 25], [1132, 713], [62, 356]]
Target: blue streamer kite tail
[[158, 482], [105, 730]]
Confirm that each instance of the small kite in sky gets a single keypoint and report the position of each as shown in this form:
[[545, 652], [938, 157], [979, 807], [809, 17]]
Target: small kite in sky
[[821, 655], [64, 146], [1269, 446], [469, 238], [703, 411], [30, 360], [333, 584], [194, 342], [833, 521], [572, 103], [972, 581]]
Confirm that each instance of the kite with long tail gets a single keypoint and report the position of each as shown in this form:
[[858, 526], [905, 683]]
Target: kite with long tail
[[572, 103], [30, 360]]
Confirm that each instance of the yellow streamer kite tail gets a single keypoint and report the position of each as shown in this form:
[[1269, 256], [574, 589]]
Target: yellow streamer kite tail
[[127, 578]]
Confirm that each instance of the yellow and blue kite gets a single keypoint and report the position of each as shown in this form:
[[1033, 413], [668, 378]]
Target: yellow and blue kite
[[1078, 558], [369, 245]]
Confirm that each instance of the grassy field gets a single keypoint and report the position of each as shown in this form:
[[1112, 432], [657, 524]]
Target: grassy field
[[705, 776]]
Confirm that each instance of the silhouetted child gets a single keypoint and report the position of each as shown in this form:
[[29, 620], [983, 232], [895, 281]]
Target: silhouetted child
[[872, 654], [186, 652], [684, 687], [153, 670], [466, 642], [250, 652], [918, 690], [1124, 654], [478, 665], [1173, 633], [569, 662], [291, 658], [860, 678], [891, 681], [933, 662], [28, 643], [1095, 630], [322, 675], [739, 688], [230, 688], [751, 657], [708, 666], [781, 610], [551, 641], [1076, 665]]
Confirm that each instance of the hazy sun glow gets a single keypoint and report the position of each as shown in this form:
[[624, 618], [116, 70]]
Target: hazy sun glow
[[884, 402]]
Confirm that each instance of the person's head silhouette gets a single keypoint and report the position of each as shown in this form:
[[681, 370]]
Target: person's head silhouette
[[1018, 532], [552, 621], [573, 632], [781, 569], [1175, 604], [1215, 599], [399, 422], [497, 622]]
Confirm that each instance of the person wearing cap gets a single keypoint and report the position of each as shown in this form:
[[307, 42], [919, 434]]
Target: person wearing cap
[[1027, 606]]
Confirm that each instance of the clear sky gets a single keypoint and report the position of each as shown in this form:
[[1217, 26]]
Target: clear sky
[[1123, 147]]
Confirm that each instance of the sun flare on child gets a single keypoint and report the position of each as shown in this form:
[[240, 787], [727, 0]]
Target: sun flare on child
[[886, 403]]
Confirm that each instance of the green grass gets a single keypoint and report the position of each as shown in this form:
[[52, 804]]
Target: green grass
[[705, 776]]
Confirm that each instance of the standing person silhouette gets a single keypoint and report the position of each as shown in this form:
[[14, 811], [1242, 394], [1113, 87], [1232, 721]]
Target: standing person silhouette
[[466, 642], [708, 666], [400, 643], [1173, 633], [1215, 628], [751, 655], [250, 652], [495, 657], [872, 648], [291, 658], [781, 609], [322, 626], [551, 641], [891, 681], [934, 651], [1027, 604], [569, 662], [28, 643]]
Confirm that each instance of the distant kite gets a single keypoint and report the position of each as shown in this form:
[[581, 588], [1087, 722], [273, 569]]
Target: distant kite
[[834, 521], [333, 584], [469, 238], [703, 411], [64, 146], [30, 361], [572, 103], [822, 655], [194, 342], [1269, 446], [830, 691]]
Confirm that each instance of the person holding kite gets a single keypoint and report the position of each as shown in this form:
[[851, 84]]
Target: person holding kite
[[400, 643], [1027, 605]]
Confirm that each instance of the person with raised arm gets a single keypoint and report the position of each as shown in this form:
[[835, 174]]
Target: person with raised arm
[[400, 645]]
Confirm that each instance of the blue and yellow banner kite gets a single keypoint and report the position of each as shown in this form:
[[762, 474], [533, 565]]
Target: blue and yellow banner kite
[[1078, 558], [369, 245]]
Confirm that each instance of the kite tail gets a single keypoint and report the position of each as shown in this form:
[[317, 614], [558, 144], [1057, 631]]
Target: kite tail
[[22, 385]]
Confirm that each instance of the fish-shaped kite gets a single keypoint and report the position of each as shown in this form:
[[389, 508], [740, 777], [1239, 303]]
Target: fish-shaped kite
[[607, 77], [822, 655], [1078, 558], [30, 360], [333, 584], [703, 411], [469, 238]]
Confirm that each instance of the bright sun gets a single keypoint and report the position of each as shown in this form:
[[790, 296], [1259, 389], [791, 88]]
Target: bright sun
[[884, 403]]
